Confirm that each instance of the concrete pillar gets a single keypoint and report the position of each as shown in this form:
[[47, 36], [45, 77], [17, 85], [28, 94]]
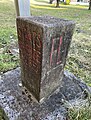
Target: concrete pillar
[[22, 7], [43, 43]]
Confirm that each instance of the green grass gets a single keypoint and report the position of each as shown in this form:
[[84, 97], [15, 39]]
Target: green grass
[[3, 116], [79, 109], [7, 35], [79, 58]]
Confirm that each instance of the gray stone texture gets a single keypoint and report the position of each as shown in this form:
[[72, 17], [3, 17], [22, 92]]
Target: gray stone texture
[[43, 44], [19, 105]]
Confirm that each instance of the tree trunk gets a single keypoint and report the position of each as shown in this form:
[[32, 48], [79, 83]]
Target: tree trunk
[[57, 5], [89, 5], [51, 1]]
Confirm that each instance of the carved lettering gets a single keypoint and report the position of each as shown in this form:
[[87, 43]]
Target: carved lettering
[[58, 57], [31, 47], [52, 49]]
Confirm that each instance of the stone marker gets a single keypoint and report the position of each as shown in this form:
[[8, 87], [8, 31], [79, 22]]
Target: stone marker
[[43, 44]]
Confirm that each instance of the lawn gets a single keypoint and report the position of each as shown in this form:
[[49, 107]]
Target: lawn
[[79, 58], [7, 35]]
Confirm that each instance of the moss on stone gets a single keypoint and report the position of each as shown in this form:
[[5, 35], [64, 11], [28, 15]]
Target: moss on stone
[[3, 115]]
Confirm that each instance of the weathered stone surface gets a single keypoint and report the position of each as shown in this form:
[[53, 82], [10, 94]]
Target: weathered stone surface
[[43, 44], [20, 106]]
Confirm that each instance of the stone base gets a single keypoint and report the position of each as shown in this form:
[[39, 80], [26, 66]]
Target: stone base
[[19, 105]]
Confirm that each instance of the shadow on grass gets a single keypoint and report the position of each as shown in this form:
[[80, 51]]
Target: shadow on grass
[[46, 7], [44, 4], [41, 1], [76, 7]]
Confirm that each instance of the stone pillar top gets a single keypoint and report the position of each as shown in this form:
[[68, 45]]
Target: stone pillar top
[[48, 21]]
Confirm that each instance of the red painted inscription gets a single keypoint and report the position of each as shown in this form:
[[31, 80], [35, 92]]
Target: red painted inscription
[[58, 57], [30, 48]]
